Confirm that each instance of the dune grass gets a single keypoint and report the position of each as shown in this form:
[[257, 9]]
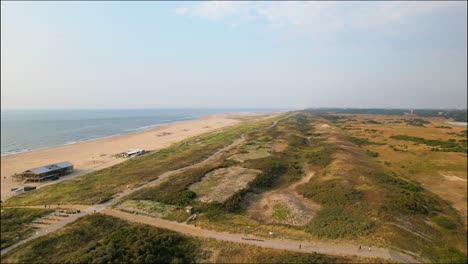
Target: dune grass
[[102, 185], [15, 223], [103, 239]]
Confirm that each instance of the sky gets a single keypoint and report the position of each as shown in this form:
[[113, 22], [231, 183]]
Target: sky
[[233, 54]]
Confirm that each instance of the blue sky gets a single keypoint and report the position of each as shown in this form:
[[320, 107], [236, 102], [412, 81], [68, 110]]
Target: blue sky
[[233, 54]]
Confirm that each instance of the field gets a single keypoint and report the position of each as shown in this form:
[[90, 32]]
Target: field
[[16, 222], [100, 238], [328, 181], [391, 181]]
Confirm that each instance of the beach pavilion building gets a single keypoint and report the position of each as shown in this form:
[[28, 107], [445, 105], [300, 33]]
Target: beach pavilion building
[[52, 171]]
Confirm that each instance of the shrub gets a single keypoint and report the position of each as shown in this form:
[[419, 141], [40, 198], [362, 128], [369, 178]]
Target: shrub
[[185, 197], [372, 153], [335, 222], [443, 222]]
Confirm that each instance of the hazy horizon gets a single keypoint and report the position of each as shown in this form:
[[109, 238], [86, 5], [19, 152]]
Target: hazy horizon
[[239, 55]]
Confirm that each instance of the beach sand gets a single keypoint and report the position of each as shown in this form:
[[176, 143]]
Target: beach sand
[[97, 154]]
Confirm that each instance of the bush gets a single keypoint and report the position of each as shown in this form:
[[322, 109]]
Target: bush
[[335, 222], [15, 222], [443, 222], [449, 146], [185, 197], [372, 153], [103, 239]]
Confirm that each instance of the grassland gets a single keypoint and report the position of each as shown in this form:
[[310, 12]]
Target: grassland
[[361, 199], [102, 185], [15, 223], [103, 239], [422, 192], [376, 181]]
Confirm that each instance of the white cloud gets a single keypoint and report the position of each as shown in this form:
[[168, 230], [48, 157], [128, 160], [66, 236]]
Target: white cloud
[[316, 15], [216, 10]]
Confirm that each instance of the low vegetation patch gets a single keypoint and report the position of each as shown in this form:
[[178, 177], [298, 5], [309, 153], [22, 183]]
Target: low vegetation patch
[[336, 222], [146, 207], [448, 146], [103, 239], [220, 184], [416, 122], [15, 223], [363, 141], [280, 212]]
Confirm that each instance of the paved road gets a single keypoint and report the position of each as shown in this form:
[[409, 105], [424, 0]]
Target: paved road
[[316, 246], [309, 247]]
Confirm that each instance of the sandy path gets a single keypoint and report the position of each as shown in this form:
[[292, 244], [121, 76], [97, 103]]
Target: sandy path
[[291, 245], [97, 154]]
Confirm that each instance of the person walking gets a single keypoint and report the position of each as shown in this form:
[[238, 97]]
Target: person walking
[[300, 246]]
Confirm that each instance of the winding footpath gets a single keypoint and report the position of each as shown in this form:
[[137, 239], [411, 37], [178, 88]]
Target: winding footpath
[[306, 246], [291, 245]]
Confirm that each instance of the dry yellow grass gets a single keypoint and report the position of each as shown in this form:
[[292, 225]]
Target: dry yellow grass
[[443, 173]]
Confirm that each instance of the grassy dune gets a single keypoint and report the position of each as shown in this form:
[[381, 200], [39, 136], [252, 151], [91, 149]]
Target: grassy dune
[[15, 222], [371, 187], [102, 239], [101, 185]]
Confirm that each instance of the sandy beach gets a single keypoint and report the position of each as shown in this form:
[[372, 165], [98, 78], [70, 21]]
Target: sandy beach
[[97, 154]]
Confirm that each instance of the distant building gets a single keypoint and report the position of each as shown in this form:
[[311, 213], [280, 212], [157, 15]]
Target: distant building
[[47, 172], [134, 152]]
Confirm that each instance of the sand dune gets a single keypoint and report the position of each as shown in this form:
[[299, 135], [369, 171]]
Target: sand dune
[[98, 154]]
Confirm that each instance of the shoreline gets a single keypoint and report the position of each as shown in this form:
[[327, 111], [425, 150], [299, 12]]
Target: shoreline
[[94, 154], [126, 132]]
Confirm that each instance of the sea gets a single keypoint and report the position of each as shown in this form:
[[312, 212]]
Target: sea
[[26, 130]]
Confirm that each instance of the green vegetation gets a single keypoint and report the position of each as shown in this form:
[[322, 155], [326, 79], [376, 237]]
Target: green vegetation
[[102, 185], [444, 127], [416, 122], [372, 153], [363, 141], [337, 221], [280, 212], [15, 223], [294, 258], [373, 122], [456, 115], [443, 222], [229, 252], [447, 146], [104, 239]]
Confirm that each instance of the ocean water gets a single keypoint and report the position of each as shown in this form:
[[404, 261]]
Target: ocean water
[[25, 130]]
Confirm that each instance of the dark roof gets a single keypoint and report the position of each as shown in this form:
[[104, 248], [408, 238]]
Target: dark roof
[[51, 167]]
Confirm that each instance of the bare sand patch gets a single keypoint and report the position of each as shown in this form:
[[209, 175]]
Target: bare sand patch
[[451, 177], [219, 185], [279, 146], [285, 206]]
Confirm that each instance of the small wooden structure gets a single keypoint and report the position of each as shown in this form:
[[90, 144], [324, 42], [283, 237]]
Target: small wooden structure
[[189, 210], [52, 171]]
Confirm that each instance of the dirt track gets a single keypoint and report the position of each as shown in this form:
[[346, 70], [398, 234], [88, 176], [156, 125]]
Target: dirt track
[[315, 246]]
